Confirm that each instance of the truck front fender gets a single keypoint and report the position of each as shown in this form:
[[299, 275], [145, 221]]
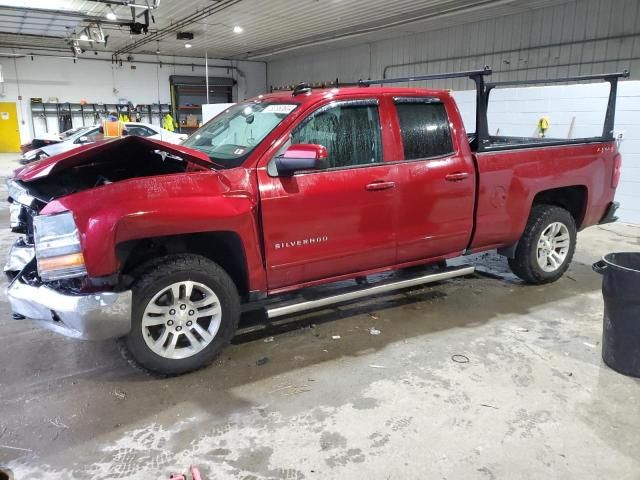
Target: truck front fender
[[158, 207]]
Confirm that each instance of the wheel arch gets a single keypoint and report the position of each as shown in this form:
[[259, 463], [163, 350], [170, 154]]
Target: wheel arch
[[222, 247], [572, 198]]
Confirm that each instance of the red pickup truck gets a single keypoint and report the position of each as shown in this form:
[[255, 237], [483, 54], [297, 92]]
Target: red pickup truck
[[160, 245]]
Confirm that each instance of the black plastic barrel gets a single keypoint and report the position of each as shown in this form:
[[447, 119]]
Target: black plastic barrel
[[621, 293]]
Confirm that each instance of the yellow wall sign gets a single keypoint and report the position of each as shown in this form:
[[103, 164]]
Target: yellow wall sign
[[543, 125]]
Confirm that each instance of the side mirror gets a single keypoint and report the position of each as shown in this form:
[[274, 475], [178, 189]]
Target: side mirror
[[304, 156], [83, 139]]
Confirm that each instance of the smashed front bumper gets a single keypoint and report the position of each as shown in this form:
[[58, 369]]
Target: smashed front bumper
[[90, 316]]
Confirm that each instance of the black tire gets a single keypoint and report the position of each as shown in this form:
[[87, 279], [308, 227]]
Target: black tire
[[525, 263], [161, 273]]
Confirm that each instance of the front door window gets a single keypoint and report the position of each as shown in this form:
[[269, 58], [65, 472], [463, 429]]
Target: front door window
[[350, 132]]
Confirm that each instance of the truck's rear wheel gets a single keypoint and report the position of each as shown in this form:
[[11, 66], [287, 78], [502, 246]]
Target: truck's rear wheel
[[185, 311], [546, 247]]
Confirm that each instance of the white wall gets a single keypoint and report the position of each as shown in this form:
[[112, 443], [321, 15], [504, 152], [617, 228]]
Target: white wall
[[580, 37], [103, 82], [516, 111]]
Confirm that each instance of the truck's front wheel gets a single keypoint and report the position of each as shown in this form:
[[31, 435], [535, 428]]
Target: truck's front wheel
[[185, 311], [547, 245]]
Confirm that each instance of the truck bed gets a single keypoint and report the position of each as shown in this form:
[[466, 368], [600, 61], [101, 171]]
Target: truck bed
[[508, 181]]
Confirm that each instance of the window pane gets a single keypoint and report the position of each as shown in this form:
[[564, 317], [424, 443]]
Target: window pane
[[139, 131], [94, 135], [425, 129], [350, 133]]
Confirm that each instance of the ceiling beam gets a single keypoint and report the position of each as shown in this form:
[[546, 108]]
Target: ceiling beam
[[45, 14], [66, 13], [32, 35], [124, 4]]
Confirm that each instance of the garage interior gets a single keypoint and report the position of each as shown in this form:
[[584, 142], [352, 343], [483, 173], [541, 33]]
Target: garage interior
[[478, 377]]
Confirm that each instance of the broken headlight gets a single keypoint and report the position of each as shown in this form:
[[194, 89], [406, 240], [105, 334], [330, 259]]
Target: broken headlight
[[57, 244]]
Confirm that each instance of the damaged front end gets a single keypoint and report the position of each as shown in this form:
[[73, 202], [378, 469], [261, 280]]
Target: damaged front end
[[49, 280], [23, 207], [45, 285]]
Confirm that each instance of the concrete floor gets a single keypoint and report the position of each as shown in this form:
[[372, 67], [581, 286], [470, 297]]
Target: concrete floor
[[533, 401]]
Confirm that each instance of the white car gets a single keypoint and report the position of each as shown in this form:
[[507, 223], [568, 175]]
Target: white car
[[93, 134]]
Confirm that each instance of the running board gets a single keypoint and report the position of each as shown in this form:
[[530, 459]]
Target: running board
[[451, 272]]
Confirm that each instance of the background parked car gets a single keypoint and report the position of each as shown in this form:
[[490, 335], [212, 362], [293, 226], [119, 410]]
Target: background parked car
[[45, 139], [93, 134]]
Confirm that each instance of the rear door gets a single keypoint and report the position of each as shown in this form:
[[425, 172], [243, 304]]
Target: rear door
[[327, 223], [437, 181]]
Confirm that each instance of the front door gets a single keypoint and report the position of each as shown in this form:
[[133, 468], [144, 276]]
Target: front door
[[9, 129], [333, 222], [437, 183]]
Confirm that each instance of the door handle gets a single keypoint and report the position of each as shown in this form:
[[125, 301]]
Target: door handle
[[456, 176], [379, 185]]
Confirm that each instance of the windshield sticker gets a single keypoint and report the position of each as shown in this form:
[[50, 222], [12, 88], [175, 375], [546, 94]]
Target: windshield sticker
[[238, 151], [279, 108]]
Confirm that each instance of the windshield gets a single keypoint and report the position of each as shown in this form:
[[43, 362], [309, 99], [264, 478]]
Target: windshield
[[229, 138]]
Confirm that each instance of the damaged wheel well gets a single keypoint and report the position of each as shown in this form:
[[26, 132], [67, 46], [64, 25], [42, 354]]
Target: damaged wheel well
[[224, 248]]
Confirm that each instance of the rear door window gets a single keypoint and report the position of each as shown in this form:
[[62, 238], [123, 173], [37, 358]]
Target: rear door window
[[424, 127], [140, 131], [91, 136]]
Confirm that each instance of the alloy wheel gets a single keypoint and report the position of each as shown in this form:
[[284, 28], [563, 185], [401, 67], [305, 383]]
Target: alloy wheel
[[553, 246], [181, 320]]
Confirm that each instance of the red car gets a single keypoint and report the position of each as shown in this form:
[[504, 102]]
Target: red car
[[159, 245]]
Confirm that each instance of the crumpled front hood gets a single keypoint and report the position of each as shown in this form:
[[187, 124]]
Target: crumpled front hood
[[84, 154]]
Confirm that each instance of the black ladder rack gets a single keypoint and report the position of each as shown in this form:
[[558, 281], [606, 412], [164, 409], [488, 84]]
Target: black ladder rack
[[612, 78], [483, 91], [482, 140]]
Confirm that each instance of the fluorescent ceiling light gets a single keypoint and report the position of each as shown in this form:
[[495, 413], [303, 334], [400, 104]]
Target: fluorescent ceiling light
[[187, 45], [238, 29]]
